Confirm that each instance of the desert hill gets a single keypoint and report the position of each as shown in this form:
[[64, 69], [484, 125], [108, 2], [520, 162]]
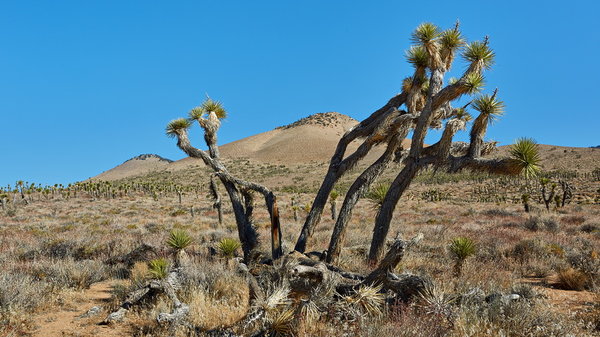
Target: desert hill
[[311, 141], [135, 166]]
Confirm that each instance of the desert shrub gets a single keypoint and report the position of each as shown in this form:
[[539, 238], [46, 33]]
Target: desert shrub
[[573, 220], [69, 273], [524, 250], [178, 212], [227, 247], [590, 228], [498, 212], [509, 318], [571, 279], [19, 291]]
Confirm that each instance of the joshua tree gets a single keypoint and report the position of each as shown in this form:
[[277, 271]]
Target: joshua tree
[[427, 104], [547, 196], [208, 116]]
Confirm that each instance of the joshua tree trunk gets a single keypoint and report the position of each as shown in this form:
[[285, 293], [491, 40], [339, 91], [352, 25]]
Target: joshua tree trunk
[[339, 165], [214, 191]]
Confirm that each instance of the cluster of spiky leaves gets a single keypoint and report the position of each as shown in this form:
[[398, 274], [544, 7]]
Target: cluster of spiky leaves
[[417, 56], [158, 268], [462, 247], [179, 239], [462, 114], [208, 106], [425, 33], [526, 154], [177, 125], [479, 52], [489, 105], [367, 300], [228, 246], [377, 194], [473, 83], [451, 39]]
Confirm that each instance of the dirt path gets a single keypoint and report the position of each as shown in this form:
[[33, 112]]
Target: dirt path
[[66, 321]]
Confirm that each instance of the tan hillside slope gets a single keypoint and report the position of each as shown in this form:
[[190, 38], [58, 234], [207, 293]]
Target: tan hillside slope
[[135, 166]]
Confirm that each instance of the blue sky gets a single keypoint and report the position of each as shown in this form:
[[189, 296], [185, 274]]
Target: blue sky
[[85, 85]]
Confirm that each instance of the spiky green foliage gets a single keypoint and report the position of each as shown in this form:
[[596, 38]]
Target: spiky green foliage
[[463, 114], [489, 105], [451, 39], [376, 195], [473, 83], [208, 106], [425, 33], [282, 324], [526, 154], [158, 268], [479, 52], [179, 239], [462, 247], [334, 195], [228, 246], [367, 300], [417, 56], [177, 125]]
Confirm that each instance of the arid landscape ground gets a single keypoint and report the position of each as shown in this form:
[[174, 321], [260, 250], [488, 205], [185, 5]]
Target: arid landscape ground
[[71, 255]]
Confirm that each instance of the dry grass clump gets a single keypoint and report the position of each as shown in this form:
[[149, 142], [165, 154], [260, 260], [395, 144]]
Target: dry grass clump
[[571, 279], [69, 273]]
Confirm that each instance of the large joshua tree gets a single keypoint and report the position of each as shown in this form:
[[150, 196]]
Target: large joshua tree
[[208, 116], [427, 102]]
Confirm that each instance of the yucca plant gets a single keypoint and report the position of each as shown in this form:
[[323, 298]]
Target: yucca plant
[[158, 268], [425, 33], [208, 106], [176, 126], [479, 52], [526, 156], [179, 239], [282, 324], [461, 248], [377, 194], [228, 246]]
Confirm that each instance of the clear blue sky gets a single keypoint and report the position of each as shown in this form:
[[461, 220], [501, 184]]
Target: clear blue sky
[[85, 85]]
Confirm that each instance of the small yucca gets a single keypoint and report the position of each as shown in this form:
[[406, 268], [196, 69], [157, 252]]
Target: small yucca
[[377, 194], [368, 300], [158, 268], [282, 324], [526, 155], [179, 239], [461, 248], [228, 246]]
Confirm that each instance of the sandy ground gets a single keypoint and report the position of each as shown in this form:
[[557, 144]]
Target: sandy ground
[[70, 320]]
